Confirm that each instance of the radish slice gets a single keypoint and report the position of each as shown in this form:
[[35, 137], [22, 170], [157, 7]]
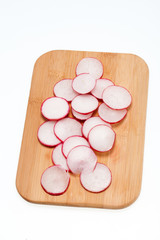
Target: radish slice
[[81, 158], [58, 157], [117, 97], [54, 108], [90, 65], [46, 134], [101, 84], [90, 123], [111, 115], [84, 83], [81, 116], [101, 138], [64, 89], [98, 180], [84, 104], [67, 127], [55, 180], [72, 142]]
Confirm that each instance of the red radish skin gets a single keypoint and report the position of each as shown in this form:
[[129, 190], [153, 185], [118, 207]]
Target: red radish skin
[[91, 181], [101, 84], [45, 131], [112, 100], [54, 108], [49, 180], [81, 117], [58, 158], [111, 115], [64, 90], [101, 138], [83, 83]]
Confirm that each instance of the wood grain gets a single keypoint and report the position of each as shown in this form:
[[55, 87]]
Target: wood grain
[[126, 158]]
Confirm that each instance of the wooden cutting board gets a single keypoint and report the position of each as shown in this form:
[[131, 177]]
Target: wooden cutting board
[[126, 158]]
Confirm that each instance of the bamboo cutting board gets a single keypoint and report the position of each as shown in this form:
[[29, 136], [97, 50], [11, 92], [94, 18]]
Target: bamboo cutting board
[[126, 158]]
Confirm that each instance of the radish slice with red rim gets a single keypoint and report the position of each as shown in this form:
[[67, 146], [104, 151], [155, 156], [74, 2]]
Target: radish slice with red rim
[[84, 104], [98, 180], [84, 83], [116, 97], [67, 127], [81, 158], [72, 142], [81, 116], [90, 65], [58, 157], [46, 134], [54, 108], [101, 138], [101, 84], [55, 180], [111, 115], [90, 123], [64, 89]]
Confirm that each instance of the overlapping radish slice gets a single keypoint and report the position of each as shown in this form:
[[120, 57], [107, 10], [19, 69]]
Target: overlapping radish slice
[[84, 104], [67, 127], [101, 84], [84, 83], [64, 89], [81, 116], [72, 142], [81, 158], [54, 108], [58, 157], [90, 65], [46, 134], [55, 180], [111, 115], [90, 123], [101, 138], [116, 97], [98, 180]]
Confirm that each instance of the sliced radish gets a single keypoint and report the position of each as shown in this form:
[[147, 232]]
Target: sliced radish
[[55, 180], [72, 142], [46, 134], [81, 158], [90, 65], [67, 127], [81, 116], [111, 115], [101, 138], [54, 108], [64, 89], [101, 84], [58, 157], [84, 104], [84, 83], [90, 123], [117, 97], [98, 180]]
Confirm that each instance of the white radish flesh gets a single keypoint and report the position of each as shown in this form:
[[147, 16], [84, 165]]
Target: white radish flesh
[[67, 127], [81, 116], [84, 104], [81, 158], [58, 157], [54, 108], [117, 97], [72, 142], [46, 134], [64, 89], [101, 138], [98, 180], [84, 83], [101, 84], [111, 115], [55, 180], [90, 65]]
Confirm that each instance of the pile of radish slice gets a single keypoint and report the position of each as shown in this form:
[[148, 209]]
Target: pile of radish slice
[[75, 143]]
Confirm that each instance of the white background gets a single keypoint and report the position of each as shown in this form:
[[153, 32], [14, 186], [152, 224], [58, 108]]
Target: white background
[[31, 28]]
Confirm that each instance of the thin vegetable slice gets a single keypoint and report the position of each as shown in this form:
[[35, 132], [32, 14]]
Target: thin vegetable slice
[[58, 157], [84, 83], [101, 84], [81, 116]]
